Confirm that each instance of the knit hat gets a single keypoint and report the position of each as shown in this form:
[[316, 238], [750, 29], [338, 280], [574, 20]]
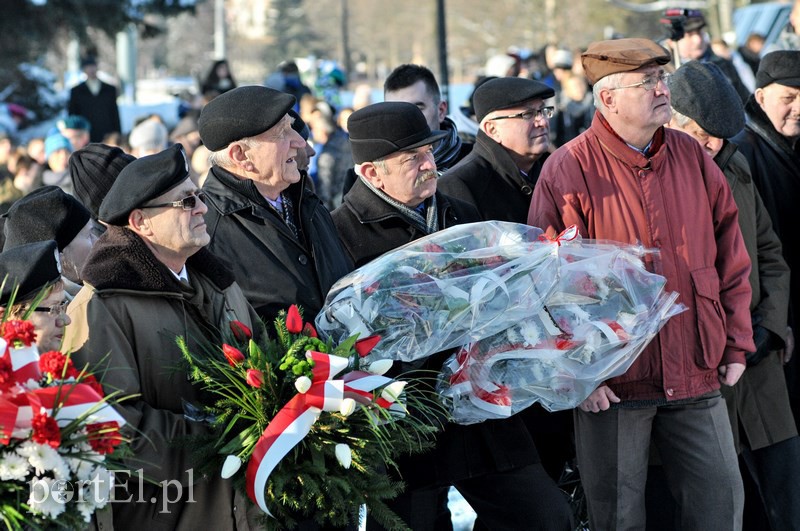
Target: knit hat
[[31, 267], [55, 142], [74, 121], [47, 213], [384, 128], [781, 67], [94, 169], [506, 92], [701, 92], [150, 135], [142, 180], [604, 58]]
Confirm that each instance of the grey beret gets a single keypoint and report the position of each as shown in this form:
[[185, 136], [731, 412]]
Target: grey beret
[[701, 92]]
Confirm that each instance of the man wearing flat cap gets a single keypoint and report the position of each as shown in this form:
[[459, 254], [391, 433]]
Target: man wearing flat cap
[[629, 179], [769, 142], [499, 175], [49, 213], [395, 201], [275, 233], [148, 280]]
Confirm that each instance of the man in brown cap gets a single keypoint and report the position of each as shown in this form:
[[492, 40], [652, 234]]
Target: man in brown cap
[[629, 179]]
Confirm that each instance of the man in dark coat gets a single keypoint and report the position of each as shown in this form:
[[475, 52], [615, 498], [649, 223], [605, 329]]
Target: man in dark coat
[[769, 142], [96, 101], [275, 233], [493, 464], [499, 175]]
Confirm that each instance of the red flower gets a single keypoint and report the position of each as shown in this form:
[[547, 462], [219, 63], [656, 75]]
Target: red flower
[[54, 363], [364, 346], [46, 430], [255, 378], [104, 436], [233, 355], [294, 323], [309, 330], [240, 331], [433, 248], [18, 333], [6, 371]]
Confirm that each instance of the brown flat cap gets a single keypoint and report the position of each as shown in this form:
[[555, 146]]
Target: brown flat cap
[[621, 55]]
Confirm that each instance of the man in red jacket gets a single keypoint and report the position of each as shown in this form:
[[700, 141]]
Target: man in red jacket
[[629, 179]]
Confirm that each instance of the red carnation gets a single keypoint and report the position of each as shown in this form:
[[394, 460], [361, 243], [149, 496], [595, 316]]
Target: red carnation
[[6, 372], [18, 333], [294, 323], [240, 331], [46, 430], [309, 330], [233, 355], [92, 382], [54, 363], [104, 436], [255, 378], [364, 346]]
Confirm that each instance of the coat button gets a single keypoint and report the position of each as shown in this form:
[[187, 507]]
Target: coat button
[[303, 259], [670, 392], [527, 190], [642, 174]]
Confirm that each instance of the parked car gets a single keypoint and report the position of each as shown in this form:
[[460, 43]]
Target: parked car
[[766, 18]]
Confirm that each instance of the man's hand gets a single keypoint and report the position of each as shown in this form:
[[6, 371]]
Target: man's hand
[[786, 352], [729, 374], [599, 400]]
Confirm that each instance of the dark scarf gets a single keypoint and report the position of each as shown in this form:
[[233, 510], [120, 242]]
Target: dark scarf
[[447, 150]]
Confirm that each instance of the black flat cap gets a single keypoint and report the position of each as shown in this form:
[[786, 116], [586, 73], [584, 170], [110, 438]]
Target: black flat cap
[[384, 128], [781, 67], [32, 267], [694, 21], [701, 92], [142, 180], [241, 113], [505, 92], [94, 169], [47, 213], [299, 125]]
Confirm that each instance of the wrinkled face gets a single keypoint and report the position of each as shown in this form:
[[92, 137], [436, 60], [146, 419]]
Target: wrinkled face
[[418, 95], [693, 44], [711, 144], [75, 254], [639, 108], [525, 139], [77, 137], [273, 156], [182, 232], [407, 176], [50, 328], [782, 106]]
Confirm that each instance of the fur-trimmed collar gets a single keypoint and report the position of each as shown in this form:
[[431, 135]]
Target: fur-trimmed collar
[[121, 260]]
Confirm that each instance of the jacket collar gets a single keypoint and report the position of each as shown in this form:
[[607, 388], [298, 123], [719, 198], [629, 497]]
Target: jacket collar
[[725, 154], [618, 148], [121, 260], [220, 183], [503, 164], [759, 122], [369, 208]]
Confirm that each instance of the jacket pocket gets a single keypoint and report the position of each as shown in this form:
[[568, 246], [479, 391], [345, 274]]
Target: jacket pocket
[[710, 317]]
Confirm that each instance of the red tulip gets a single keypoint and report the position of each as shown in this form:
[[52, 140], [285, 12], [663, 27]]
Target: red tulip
[[294, 323], [233, 355], [255, 377], [240, 331], [309, 330], [364, 346]]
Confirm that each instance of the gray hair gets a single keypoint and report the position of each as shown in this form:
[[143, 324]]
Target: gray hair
[[681, 120], [222, 159], [611, 81], [380, 163]]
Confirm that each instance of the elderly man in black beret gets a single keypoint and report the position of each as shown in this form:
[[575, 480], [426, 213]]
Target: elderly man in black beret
[[769, 142], [395, 201], [629, 179], [148, 280], [49, 213], [274, 232], [499, 175]]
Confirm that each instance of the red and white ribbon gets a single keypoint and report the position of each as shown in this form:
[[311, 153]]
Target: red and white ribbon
[[25, 363]]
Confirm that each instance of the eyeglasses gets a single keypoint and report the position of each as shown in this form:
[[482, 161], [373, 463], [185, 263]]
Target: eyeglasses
[[649, 82], [54, 311], [530, 114], [187, 203]]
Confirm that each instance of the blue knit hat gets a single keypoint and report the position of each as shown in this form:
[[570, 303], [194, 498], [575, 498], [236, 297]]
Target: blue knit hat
[[55, 142]]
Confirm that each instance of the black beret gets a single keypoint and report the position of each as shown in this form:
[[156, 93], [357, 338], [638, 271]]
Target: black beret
[[94, 169], [32, 267], [141, 181], [384, 128], [47, 213], [505, 92], [694, 21], [781, 67], [299, 125], [241, 113], [701, 91]]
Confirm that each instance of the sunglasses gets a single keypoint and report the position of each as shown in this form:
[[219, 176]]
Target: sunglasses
[[54, 311], [187, 203]]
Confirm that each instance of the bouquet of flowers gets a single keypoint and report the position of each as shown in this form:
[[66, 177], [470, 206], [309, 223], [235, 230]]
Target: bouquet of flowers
[[57, 432], [442, 291], [314, 424]]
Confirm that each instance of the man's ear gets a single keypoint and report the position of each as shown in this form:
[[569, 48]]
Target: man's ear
[[490, 129], [759, 96], [370, 172], [609, 100], [139, 223], [238, 155], [442, 109]]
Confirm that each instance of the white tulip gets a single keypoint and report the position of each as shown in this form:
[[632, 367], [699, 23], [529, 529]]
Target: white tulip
[[380, 367], [302, 384], [231, 466], [343, 455], [347, 407], [392, 391]]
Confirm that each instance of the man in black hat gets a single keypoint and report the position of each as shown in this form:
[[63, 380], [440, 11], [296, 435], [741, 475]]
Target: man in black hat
[[96, 101], [395, 201], [49, 213], [148, 280], [499, 175], [274, 232], [769, 142]]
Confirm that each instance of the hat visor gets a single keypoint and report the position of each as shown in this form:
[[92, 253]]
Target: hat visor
[[788, 82], [433, 137]]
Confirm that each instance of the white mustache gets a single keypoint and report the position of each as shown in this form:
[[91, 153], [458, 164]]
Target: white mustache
[[425, 177]]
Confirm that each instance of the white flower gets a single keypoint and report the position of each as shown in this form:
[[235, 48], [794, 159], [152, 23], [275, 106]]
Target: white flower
[[393, 391], [80, 467], [42, 499], [380, 367], [13, 467], [344, 455], [86, 508], [302, 384], [41, 456], [97, 489], [231, 465], [530, 333], [60, 468], [347, 407]]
